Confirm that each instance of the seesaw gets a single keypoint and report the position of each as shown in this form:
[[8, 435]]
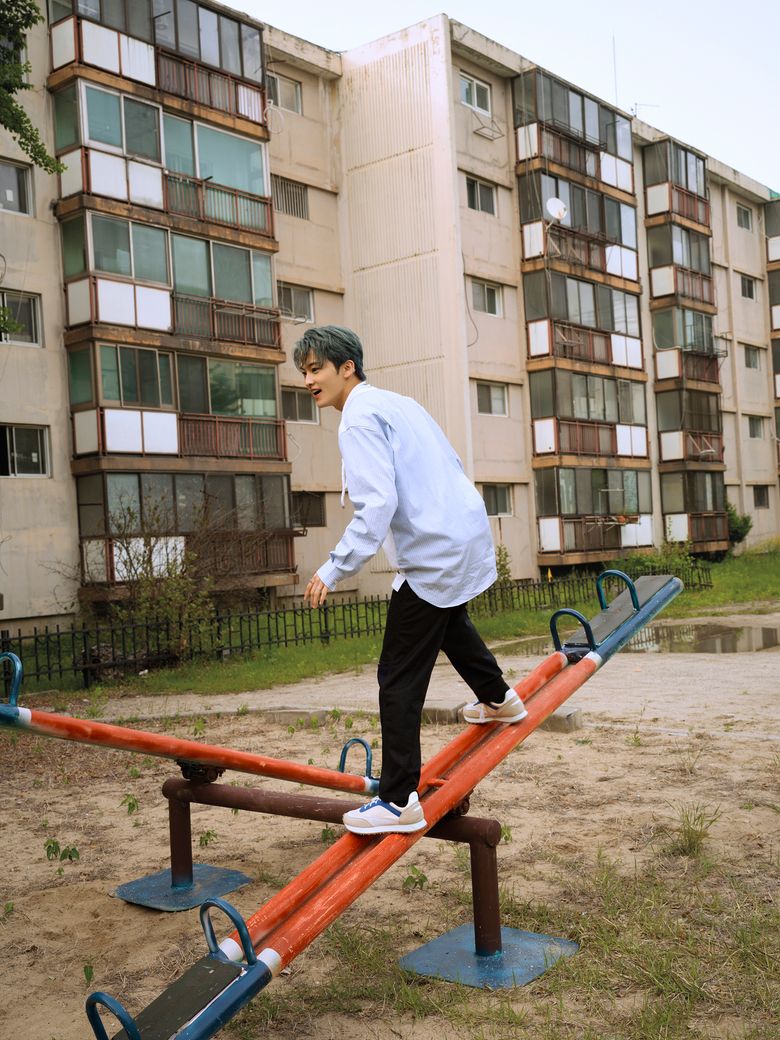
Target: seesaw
[[232, 972]]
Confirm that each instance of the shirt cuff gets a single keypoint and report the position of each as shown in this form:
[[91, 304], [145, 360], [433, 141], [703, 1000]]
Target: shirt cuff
[[329, 575]]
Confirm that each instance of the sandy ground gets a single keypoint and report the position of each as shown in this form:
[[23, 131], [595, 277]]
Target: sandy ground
[[658, 731]]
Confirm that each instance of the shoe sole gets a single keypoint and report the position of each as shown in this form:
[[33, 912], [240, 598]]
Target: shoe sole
[[482, 722], [403, 828]]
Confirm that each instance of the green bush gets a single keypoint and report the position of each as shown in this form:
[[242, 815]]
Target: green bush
[[739, 525]]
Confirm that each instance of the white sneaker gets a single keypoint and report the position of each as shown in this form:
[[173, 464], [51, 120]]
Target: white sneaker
[[511, 709], [378, 817]]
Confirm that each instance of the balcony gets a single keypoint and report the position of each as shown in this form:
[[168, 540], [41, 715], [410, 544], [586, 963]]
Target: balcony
[[671, 198], [196, 82], [203, 200], [586, 438], [691, 446], [578, 437], [536, 140], [688, 363], [672, 280], [220, 437], [565, 340], [698, 528], [209, 318]]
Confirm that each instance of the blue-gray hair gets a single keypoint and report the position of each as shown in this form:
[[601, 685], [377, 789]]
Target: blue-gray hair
[[330, 343]]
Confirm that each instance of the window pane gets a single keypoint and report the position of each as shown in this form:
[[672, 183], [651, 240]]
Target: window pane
[[129, 372], [66, 118], [256, 391], [250, 46], [273, 493], [222, 386], [190, 501], [13, 188], [263, 283], [672, 493], [158, 514], [111, 245], [139, 20], [109, 369], [191, 272], [142, 130], [164, 31], [166, 379], [80, 369], [179, 154], [208, 26], [219, 500], [59, 9], [29, 450], [150, 253], [232, 279], [246, 503], [187, 21], [124, 503], [546, 499], [147, 377], [231, 51], [113, 13], [23, 311], [104, 121], [193, 396], [466, 90], [230, 160]]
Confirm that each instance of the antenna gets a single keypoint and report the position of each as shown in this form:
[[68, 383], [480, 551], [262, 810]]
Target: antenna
[[556, 209]]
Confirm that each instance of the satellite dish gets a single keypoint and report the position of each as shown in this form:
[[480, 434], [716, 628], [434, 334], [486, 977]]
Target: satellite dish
[[556, 208]]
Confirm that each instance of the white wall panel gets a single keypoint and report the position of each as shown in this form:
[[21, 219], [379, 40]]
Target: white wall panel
[[107, 174], [671, 445], [527, 141], [619, 352], [160, 432], [116, 302], [668, 364], [634, 352], [538, 338], [153, 308], [94, 557], [137, 59], [549, 534], [773, 248], [609, 169], [625, 175], [100, 46], [657, 199], [662, 281], [623, 437], [63, 43], [72, 179], [645, 530], [676, 526], [122, 430], [85, 432], [79, 309], [146, 186], [544, 436], [776, 316], [533, 239], [639, 441], [250, 103]]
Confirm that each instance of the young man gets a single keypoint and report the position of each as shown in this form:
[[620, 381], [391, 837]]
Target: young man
[[411, 496]]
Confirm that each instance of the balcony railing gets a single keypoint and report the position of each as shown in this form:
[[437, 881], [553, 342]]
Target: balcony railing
[[590, 533], [576, 248], [203, 200], [221, 437], [686, 204], [575, 341], [693, 284], [242, 553], [210, 318], [709, 527], [703, 446], [586, 438], [704, 367], [189, 79], [572, 154]]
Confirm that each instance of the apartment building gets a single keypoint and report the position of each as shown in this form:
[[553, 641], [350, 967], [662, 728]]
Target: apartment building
[[585, 305]]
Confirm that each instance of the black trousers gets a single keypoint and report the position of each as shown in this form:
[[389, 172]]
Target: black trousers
[[414, 634]]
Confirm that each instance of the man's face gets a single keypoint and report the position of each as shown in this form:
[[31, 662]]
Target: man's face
[[328, 385]]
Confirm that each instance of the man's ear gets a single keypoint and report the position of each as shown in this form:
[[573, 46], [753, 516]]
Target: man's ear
[[348, 368]]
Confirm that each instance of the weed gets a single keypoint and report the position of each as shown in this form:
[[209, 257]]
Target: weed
[[89, 973], [694, 821], [374, 743], [206, 838], [348, 722], [414, 879], [8, 909], [54, 850], [133, 772], [328, 835], [291, 729], [243, 709], [689, 759], [131, 802], [506, 833], [583, 740], [199, 726]]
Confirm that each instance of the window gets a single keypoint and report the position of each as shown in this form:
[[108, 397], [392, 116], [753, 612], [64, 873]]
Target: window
[[481, 196], [14, 188], [145, 259], [290, 197], [284, 92], [592, 492], [240, 275], [135, 377], [23, 310], [80, 373], [752, 357], [498, 499], [474, 93], [295, 301], [123, 123], [308, 509], [761, 496], [298, 406], [755, 427], [23, 451], [66, 118], [744, 217], [231, 160], [491, 399], [748, 287], [225, 387], [486, 297]]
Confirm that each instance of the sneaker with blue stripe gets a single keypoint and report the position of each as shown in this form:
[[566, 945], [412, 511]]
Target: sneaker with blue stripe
[[378, 817]]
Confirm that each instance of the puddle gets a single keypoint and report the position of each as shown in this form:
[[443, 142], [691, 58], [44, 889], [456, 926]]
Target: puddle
[[673, 639]]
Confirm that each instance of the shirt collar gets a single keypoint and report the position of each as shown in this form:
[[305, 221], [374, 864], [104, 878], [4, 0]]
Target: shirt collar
[[359, 389]]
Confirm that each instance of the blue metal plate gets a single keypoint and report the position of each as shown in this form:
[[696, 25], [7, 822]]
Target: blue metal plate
[[156, 891], [524, 957]]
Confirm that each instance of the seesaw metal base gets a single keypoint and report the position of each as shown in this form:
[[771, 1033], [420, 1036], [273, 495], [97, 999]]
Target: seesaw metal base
[[159, 893], [524, 957]]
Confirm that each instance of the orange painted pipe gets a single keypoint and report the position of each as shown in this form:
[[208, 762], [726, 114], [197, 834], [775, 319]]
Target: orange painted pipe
[[351, 848], [121, 738]]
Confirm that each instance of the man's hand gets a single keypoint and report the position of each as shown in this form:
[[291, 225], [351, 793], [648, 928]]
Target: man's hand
[[316, 592]]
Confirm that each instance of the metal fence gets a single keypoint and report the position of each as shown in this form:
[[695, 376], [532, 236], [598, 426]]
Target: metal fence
[[84, 654]]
